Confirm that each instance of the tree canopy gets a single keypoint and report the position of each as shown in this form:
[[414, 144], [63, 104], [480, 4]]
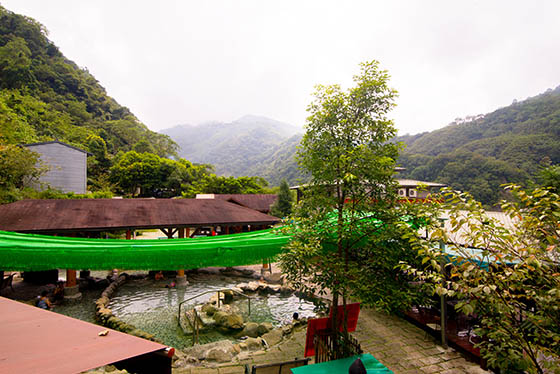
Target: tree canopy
[[510, 281], [344, 237]]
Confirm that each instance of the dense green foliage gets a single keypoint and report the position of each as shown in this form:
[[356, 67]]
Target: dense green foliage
[[44, 96], [550, 177], [345, 236], [511, 282], [251, 145], [481, 153], [283, 205], [231, 185]]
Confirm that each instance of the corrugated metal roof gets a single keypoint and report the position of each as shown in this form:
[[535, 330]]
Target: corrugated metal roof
[[113, 214], [260, 202], [57, 142], [34, 340], [461, 237], [415, 183]]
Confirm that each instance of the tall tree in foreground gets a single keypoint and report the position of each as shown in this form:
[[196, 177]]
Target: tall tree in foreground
[[510, 280], [344, 237]]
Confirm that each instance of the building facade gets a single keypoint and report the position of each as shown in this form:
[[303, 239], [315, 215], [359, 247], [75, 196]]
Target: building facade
[[67, 166]]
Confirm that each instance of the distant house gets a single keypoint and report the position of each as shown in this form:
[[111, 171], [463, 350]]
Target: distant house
[[407, 188], [67, 166], [413, 189]]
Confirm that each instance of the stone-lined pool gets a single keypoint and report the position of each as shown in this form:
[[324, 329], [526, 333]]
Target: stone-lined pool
[[151, 307]]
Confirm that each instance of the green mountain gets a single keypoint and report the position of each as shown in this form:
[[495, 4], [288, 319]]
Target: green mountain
[[478, 154], [44, 96], [251, 145], [279, 163]]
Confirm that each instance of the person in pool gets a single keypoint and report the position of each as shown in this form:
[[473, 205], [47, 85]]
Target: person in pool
[[170, 285], [43, 301]]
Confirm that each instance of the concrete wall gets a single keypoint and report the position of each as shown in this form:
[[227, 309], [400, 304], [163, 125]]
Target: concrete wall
[[67, 167]]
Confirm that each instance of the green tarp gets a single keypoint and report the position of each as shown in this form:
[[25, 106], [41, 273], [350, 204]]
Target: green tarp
[[30, 252]]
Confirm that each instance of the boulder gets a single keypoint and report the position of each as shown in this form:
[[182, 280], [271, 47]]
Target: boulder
[[217, 351], [285, 290], [251, 287], [287, 329], [263, 328], [231, 321], [273, 288], [251, 330], [275, 278], [253, 344], [273, 337], [219, 355], [209, 309]]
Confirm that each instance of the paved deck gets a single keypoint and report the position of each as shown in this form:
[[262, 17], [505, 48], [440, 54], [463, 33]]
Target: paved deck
[[396, 343]]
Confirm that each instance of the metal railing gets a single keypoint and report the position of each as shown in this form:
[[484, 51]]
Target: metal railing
[[331, 345], [195, 325]]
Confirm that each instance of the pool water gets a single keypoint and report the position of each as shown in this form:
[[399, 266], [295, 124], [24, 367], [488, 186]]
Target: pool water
[[151, 307], [84, 309]]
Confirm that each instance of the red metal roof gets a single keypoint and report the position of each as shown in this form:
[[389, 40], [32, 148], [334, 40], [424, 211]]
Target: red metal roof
[[33, 340], [113, 214]]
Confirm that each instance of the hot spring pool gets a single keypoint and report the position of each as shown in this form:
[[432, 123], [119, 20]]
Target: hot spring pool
[[151, 307]]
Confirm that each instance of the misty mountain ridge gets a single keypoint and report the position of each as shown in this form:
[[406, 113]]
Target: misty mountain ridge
[[475, 154], [234, 148]]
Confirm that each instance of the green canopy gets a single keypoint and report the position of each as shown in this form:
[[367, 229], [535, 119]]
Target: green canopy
[[31, 252]]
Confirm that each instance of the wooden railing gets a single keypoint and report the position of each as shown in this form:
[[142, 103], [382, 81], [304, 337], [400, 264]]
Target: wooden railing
[[331, 345]]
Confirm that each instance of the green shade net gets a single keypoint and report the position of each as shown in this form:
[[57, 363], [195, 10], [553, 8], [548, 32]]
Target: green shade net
[[30, 252]]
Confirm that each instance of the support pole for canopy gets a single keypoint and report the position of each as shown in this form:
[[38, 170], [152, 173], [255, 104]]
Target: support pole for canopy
[[443, 306], [181, 278], [71, 291]]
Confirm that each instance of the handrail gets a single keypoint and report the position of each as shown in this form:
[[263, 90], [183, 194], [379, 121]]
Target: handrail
[[212, 291]]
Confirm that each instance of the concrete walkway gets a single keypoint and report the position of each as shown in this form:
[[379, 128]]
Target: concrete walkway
[[399, 345]]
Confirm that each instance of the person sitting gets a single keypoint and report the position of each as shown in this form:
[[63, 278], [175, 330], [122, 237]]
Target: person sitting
[[43, 301], [159, 276], [58, 293]]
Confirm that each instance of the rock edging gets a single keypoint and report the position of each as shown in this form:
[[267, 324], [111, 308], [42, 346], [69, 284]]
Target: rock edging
[[105, 317]]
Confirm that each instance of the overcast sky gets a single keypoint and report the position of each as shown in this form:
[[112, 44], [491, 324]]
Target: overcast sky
[[174, 62]]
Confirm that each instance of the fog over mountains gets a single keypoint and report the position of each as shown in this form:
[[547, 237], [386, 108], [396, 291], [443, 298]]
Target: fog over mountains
[[477, 154], [250, 145]]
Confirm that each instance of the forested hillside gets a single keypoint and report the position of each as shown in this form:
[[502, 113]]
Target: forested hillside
[[480, 153], [279, 163], [251, 145], [44, 96]]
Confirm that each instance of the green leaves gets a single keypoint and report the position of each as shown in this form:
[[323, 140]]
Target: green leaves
[[348, 234], [509, 280]]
